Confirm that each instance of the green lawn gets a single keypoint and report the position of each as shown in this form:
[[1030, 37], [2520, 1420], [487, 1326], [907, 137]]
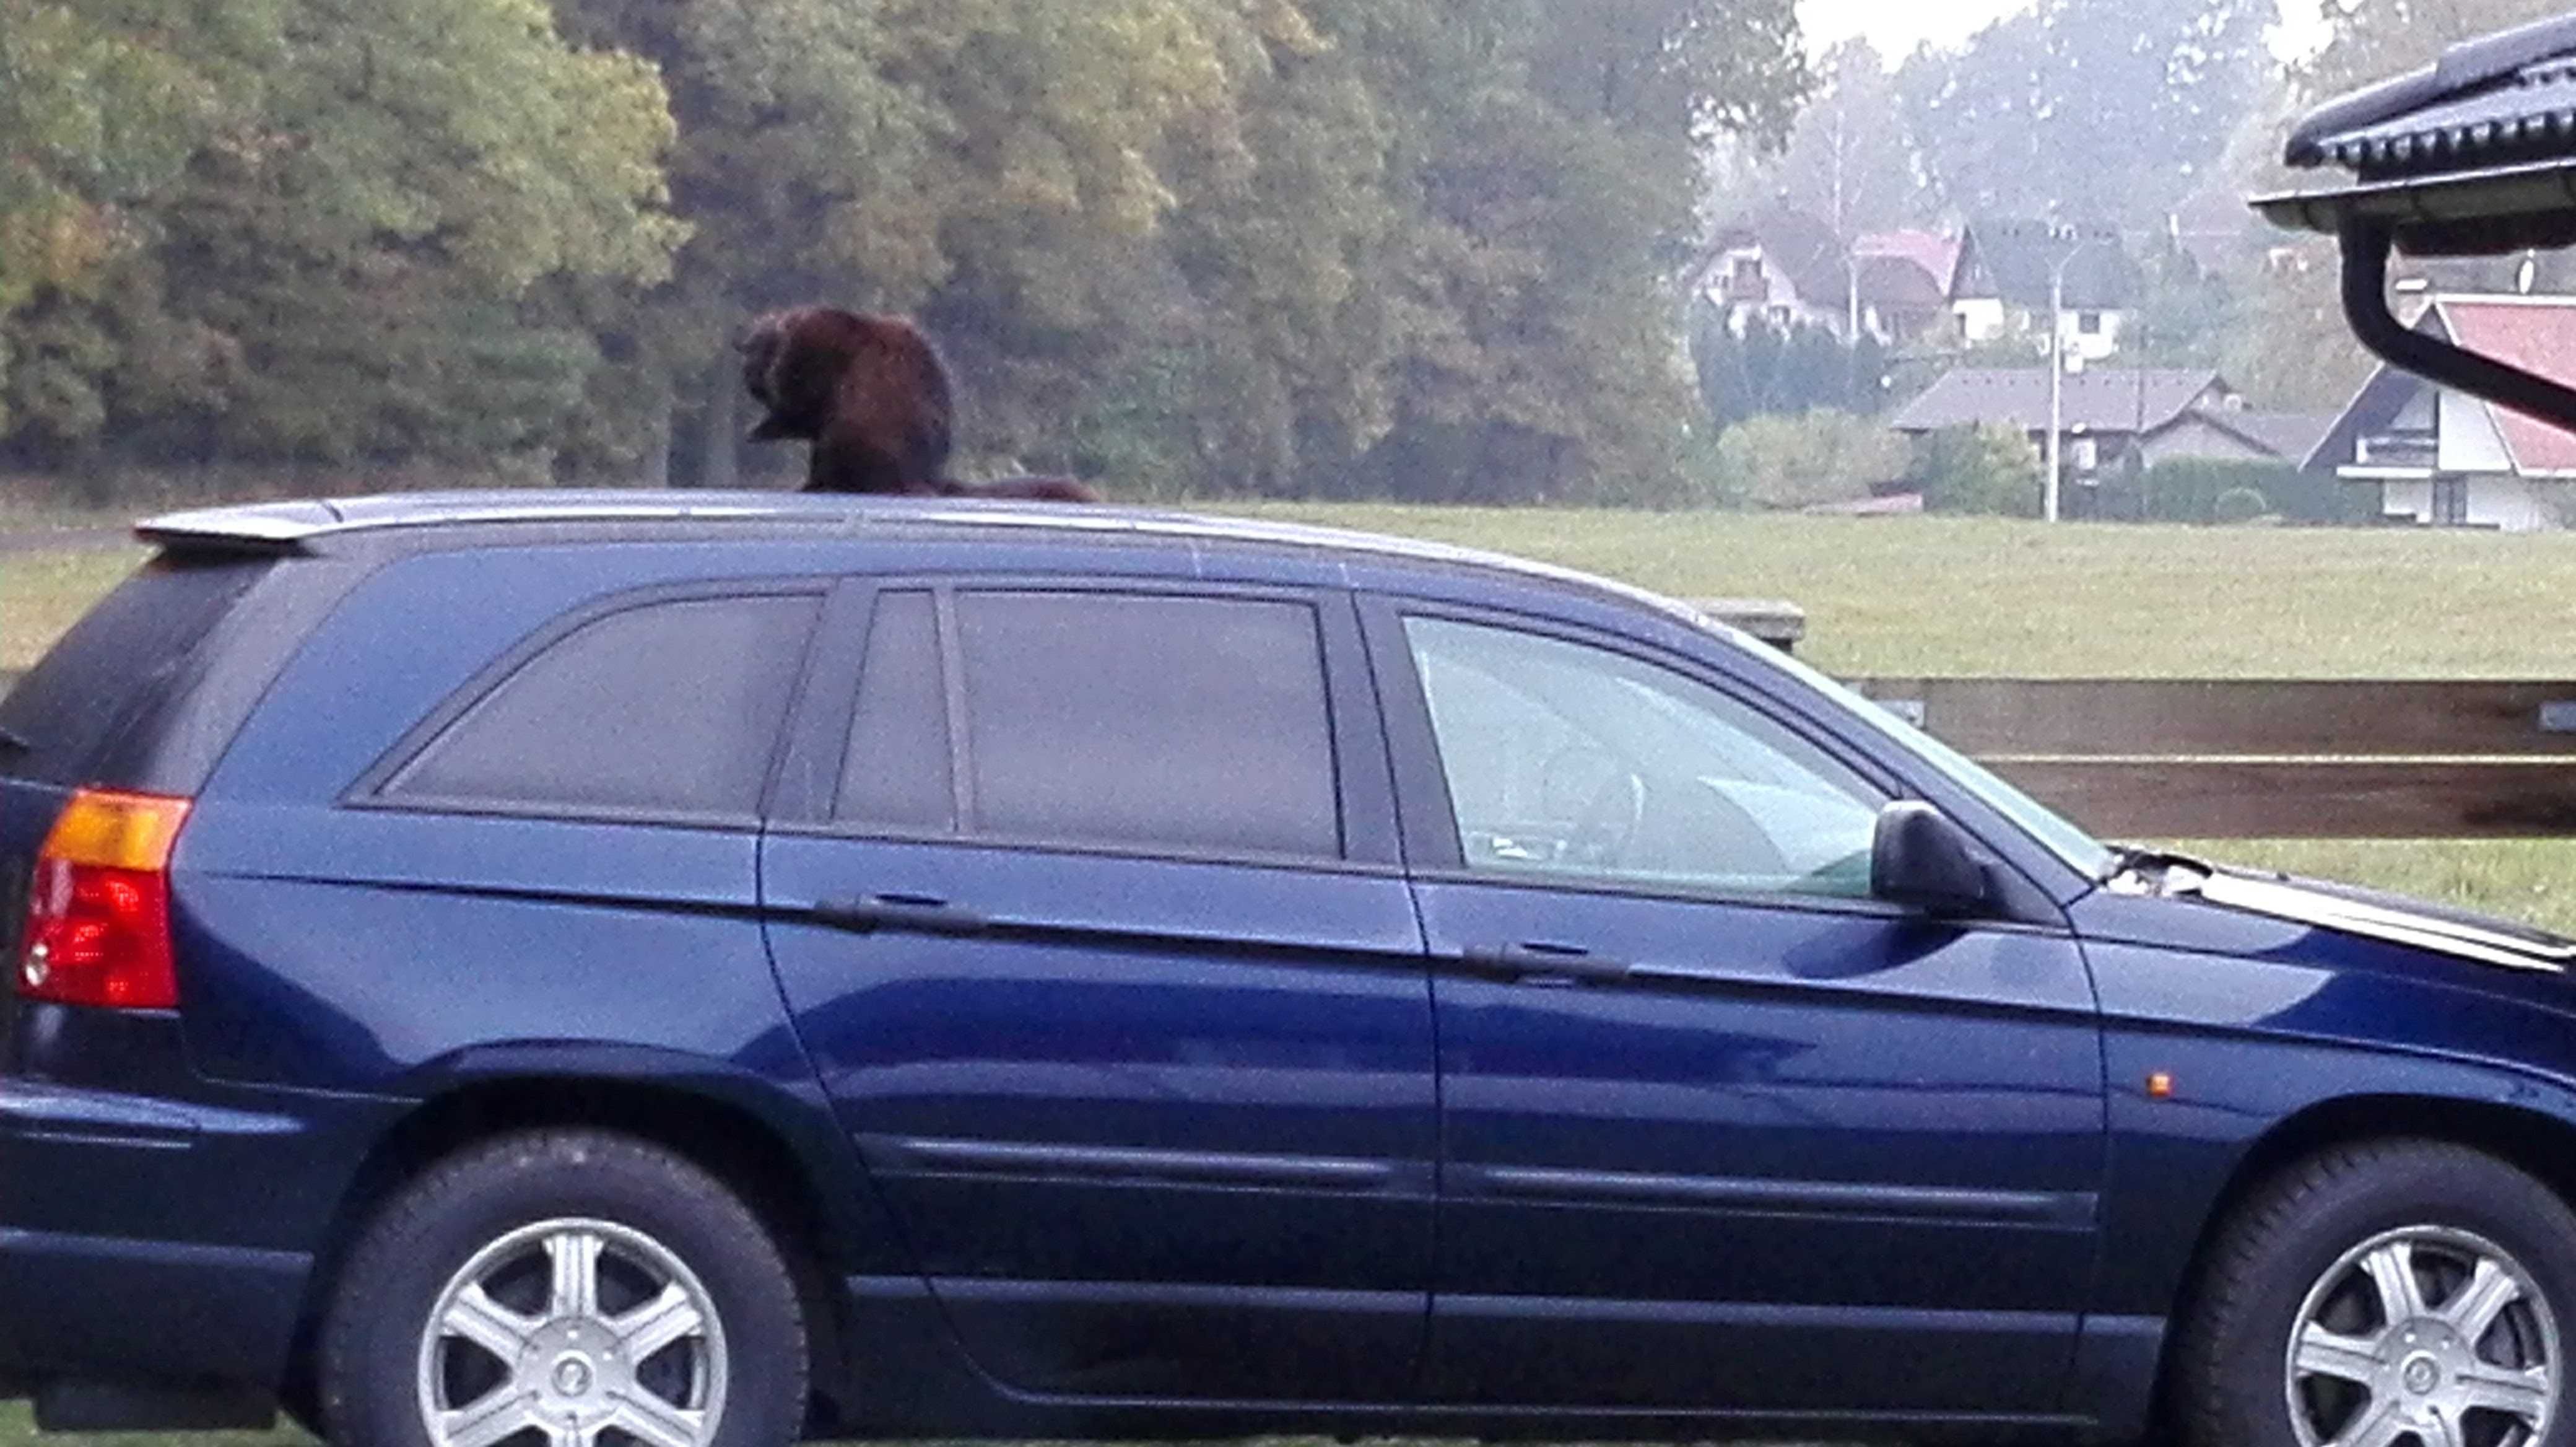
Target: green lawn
[[41, 593], [1979, 596], [1954, 596]]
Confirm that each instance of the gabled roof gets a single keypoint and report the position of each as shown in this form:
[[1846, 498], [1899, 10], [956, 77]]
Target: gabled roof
[[1936, 254], [2014, 260], [2537, 333], [2290, 436], [2110, 399], [1798, 246], [1901, 269], [1899, 283]]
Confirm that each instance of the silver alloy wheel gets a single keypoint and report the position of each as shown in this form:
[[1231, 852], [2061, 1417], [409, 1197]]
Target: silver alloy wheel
[[2425, 1336], [572, 1333]]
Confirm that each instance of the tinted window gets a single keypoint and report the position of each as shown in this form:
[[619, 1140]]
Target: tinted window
[[120, 657], [1572, 760], [672, 707], [897, 772], [1187, 723]]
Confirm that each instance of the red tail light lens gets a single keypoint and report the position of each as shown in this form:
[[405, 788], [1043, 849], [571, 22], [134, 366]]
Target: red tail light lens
[[98, 913]]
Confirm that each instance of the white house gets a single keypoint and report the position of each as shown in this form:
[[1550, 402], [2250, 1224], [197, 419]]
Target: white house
[[1788, 269], [2001, 288], [2444, 458]]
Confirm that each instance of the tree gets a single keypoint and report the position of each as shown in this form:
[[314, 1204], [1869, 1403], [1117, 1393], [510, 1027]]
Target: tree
[[2107, 109], [1850, 160], [337, 261], [1762, 370], [1533, 343], [1983, 469]]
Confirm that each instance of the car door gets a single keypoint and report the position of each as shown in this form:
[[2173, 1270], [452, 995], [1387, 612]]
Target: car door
[[1721, 1131], [1101, 946]]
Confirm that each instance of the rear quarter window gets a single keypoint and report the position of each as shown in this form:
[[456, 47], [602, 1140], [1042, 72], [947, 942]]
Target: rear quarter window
[[661, 709], [124, 657]]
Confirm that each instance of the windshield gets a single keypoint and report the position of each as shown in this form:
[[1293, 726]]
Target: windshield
[[2081, 851]]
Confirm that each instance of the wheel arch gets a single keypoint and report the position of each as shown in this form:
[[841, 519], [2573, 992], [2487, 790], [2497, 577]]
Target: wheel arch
[[2540, 1144], [743, 1131]]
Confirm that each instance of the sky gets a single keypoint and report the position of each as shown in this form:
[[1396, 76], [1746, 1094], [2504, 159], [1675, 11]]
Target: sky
[[1897, 26]]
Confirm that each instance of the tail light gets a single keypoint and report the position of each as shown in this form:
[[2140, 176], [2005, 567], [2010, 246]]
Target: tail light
[[98, 913]]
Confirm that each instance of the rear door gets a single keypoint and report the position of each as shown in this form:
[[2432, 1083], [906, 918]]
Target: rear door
[[1100, 945]]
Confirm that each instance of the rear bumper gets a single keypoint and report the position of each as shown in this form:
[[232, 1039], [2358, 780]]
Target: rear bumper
[[165, 1230], [98, 1308]]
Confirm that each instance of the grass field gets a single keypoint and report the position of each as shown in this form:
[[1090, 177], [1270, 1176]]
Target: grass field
[[1951, 596], [1941, 596]]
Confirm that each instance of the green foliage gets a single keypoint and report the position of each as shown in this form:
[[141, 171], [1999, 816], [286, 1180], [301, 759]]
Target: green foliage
[[2109, 109], [1850, 161], [2239, 505], [1775, 462], [1764, 371], [1986, 469], [1264, 246], [2194, 490], [324, 233]]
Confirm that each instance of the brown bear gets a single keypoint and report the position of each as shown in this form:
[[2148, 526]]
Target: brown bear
[[872, 396]]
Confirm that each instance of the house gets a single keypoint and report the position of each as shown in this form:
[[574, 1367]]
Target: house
[[1789, 270], [2154, 414], [2440, 456], [2000, 290]]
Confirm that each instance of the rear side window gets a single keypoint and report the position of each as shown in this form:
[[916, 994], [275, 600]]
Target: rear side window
[[668, 708], [1194, 724], [120, 660]]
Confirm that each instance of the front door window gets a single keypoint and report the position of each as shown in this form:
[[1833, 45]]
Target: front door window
[[1569, 760]]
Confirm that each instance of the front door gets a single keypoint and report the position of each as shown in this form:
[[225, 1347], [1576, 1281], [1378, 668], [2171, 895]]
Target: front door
[[1721, 1131], [1104, 959]]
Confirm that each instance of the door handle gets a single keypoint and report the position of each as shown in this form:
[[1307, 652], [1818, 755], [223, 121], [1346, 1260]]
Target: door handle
[[1541, 963], [904, 913]]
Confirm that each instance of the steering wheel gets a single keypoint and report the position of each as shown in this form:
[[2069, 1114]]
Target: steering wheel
[[1609, 822]]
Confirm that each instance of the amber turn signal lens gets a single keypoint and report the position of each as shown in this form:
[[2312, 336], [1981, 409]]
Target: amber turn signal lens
[[111, 830]]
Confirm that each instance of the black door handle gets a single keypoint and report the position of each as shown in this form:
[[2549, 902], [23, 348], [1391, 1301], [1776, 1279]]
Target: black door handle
[[1541, 963], [906, 913]]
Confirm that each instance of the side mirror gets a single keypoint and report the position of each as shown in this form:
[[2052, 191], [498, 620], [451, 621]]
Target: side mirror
[[1920, 859]]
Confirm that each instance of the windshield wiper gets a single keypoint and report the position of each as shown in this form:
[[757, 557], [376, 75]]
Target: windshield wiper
[[15, 743]]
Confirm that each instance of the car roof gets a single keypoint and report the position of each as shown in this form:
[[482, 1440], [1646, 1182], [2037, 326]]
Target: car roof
[[309, 524]]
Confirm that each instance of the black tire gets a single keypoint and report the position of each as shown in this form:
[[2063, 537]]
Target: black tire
[[371, 1368], [2275, 1265]]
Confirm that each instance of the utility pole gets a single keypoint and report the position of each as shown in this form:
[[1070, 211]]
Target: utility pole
[[2057, 367], [2056, 387]]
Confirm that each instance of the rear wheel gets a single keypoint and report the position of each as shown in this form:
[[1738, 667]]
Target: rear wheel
[[2390, 1294], [565, 1289]]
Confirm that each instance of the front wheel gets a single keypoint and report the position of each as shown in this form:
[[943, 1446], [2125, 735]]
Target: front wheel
[[564, 1289], [2389, 1294]]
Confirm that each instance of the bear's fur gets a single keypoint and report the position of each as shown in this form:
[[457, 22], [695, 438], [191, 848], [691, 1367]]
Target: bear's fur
[[872, 396]]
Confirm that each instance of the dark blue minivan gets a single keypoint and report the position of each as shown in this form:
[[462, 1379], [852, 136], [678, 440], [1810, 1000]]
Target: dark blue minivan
[[593, 968]]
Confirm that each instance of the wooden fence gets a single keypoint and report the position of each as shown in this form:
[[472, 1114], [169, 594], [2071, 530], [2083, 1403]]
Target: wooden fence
[[2253, 759]]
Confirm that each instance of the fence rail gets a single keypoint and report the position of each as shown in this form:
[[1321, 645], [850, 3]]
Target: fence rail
[[2283, 759]]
